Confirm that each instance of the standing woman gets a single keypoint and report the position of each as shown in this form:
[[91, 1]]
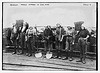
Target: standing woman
[[22, 36], [30, 40], [70, 35], [48, 34], [15, 37], [60, 32], [83, 34]]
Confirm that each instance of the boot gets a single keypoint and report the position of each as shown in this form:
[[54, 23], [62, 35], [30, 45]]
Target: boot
[[29, 55], [13, 53], [70, 59], [55, 57], [18, 52], [79, 60], [21, 53], [64, 58], [59, 57], [83, 61]]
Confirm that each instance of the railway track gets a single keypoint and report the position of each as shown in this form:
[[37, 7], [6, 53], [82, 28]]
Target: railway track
[[23, 63], [34, 66]]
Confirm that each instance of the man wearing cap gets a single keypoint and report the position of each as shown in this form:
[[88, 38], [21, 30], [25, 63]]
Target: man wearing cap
[[60, 32], [83, 34]]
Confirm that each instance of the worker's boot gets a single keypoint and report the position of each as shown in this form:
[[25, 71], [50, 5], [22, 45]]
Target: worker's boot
[[79, 60], [83, 61], [13, 53]]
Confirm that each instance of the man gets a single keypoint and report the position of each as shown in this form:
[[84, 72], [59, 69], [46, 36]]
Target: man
[[48, 34], [83, 34], [30, 40], [60, 32]]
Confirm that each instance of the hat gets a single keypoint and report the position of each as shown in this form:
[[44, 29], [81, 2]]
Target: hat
[[58, 24], [69, 27], [30, 27], [79, 22]]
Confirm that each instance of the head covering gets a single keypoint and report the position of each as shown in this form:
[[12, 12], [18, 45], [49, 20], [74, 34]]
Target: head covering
[[69, 27], [92, 32], [82, 27], [58, 25], [30, 27], [49, 26]]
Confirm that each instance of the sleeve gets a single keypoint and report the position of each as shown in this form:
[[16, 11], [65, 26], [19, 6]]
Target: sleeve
[[34, 33], [26, 32], [51, 33], [87, 32], [44, 32], [56, 31]]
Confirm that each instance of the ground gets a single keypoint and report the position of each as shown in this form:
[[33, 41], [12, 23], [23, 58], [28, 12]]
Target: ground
[[22, 62]]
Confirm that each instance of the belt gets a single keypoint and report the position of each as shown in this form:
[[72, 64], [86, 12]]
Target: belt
[[82, 37], [29, 36]]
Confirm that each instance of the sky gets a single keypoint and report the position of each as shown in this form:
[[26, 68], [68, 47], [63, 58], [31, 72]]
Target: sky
[[42, 14]]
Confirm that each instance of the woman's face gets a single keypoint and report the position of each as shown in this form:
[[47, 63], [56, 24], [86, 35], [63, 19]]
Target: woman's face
[[82, 27], [58, 25]]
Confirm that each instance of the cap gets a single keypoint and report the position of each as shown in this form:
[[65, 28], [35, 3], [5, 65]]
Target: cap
[[30, 27]]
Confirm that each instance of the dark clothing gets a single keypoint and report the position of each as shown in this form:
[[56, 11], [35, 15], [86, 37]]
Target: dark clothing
[[92, 40], [82, 42], [59, 44], [48, 45], [8, 35], [30, 45], [59, 32], [92, 45], [48, 34], [14, 37], [30, 34], [83, 33], [70, 48], [82, 47], [22, 39], [18, 26]]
